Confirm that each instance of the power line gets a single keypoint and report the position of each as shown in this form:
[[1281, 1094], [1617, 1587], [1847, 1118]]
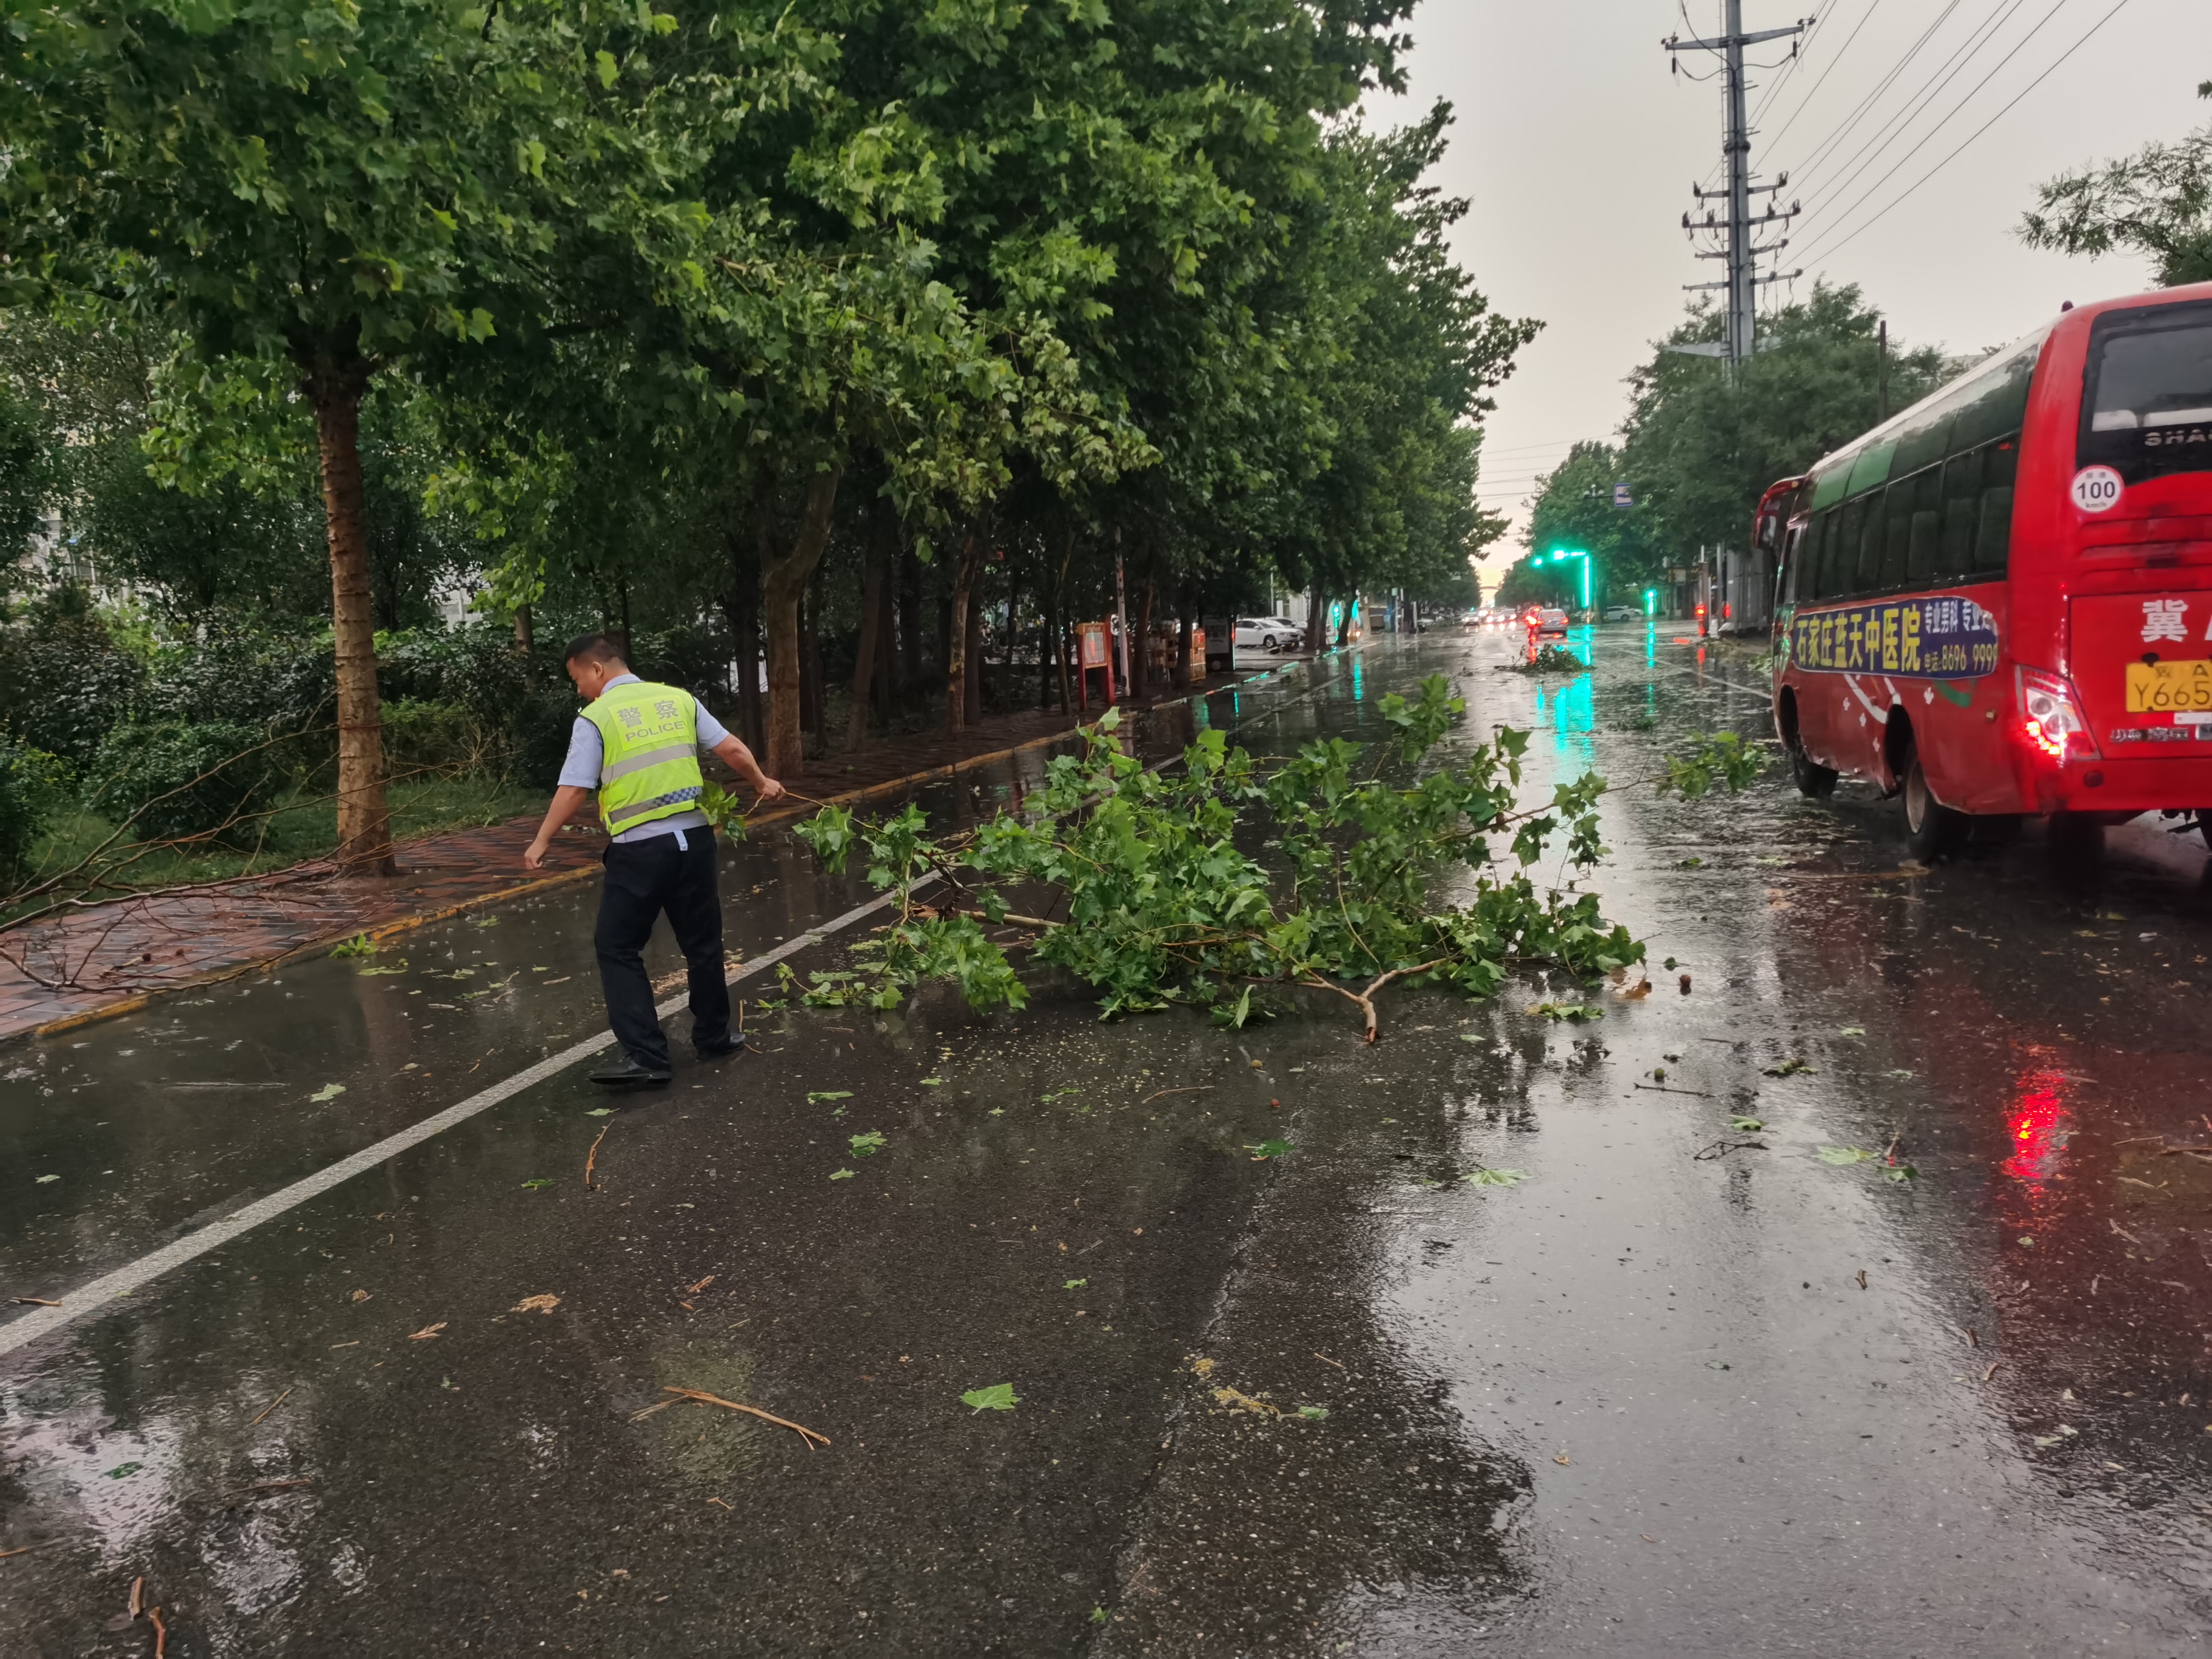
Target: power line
[[1837, 135], [1979, 130], [1824, 74], [1952, 67]]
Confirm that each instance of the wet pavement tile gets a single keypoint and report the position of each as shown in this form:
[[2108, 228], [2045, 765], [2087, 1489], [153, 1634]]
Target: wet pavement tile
[[1632, 1336]]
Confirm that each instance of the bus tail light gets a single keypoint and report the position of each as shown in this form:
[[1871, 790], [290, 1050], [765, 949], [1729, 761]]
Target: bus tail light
[[2051, 717]]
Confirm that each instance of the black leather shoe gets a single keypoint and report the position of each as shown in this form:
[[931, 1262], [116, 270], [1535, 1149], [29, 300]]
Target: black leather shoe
[[733, 1043], [628, 1074]]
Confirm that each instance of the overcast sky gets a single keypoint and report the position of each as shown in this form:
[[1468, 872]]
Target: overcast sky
[[1578, 150]]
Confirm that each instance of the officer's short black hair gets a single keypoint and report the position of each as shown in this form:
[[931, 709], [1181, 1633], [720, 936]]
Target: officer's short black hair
[[597, 648]]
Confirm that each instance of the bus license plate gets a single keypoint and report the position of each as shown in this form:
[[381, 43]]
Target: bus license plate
[[2170, 688]]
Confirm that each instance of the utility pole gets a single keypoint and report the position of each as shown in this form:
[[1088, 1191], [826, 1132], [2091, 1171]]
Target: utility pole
[[1881, 373], [1739, 230]]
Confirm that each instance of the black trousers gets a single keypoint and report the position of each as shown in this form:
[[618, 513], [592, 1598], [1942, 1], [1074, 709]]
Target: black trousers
[[644, 877]]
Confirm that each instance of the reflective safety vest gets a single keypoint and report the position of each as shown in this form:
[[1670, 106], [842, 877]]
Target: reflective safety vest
[[650, 754]]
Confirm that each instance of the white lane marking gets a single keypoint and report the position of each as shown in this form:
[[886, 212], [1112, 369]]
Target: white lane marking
[[102, 1294]]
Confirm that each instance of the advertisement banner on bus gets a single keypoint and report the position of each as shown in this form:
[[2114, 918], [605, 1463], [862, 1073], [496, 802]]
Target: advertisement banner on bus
[[1945, 636]]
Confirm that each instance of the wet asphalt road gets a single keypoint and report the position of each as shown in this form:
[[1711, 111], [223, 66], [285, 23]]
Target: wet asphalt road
[[1643, 1402]]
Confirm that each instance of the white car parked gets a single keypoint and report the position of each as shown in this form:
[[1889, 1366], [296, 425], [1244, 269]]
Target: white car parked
[[1267, 634]]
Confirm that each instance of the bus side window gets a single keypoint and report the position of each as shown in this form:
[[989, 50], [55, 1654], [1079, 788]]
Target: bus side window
[[1897, 532], [1926, 539], [1837, 552], [1962, 498], [1869, 509], [1813, 557], [1993, 533], [1793, 555]]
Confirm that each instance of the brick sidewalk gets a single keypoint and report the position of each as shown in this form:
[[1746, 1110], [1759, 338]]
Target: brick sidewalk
[[113, 957]]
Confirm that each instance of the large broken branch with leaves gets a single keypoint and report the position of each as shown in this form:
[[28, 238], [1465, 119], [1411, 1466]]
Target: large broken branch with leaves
[[1228, 878]]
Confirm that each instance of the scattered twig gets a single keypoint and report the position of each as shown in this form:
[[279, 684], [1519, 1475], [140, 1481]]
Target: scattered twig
[[138, 1596], [592, 1157], [1992, 1370], [268, 1488], [1326, 1360], [701, 1285], [1723, 1147], [2124, 1233], [160, 1632], [2193, 1151], [1668, 1088], [730, 1507], [1198, 1089], [703, 1398], [34, 1301], [270, 1407], [25, 1550]]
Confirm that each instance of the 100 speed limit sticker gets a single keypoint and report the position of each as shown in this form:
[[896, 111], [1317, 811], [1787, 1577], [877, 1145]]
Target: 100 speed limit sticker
[[2097, 488]]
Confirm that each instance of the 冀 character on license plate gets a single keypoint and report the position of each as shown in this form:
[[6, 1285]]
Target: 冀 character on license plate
[[2170, 688]]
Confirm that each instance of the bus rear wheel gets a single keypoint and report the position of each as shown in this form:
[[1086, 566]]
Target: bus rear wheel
[[1931, 829], [2075, 838], [1814, 781]]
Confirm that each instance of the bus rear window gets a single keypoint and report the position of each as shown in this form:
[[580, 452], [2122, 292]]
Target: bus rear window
[[2146, 404]]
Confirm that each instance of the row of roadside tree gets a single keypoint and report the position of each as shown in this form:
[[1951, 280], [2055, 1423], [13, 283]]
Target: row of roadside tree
[[806, 337]]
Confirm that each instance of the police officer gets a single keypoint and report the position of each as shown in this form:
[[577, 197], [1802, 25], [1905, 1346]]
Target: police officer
[[638, 745]]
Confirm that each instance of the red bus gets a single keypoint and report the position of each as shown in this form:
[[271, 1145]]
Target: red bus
[[1999, 602]]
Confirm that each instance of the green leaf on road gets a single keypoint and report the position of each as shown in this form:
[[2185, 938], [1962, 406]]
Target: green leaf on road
[[1268, 1149], [123, 1470], [999, 1397], [1746, 1126], [43, 1180], [328, 1091], [815, 1098], [371, 973], [1496, 1178], [1577, 1012], [1901, 1172], [932, 1082], [867, 1144], [534, 1185], [1313, 1413], [360, 945], [1074, 1284], [1790, 1068], [600, 1111], [1845, 1155], [1853, 1030], [842, 1175]]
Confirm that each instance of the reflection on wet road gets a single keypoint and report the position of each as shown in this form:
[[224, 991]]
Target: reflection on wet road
[[1715, 1378]]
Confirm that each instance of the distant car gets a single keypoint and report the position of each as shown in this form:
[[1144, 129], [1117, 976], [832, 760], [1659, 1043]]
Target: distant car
[[1620, 613], [1265, 634], [1470, 619], [1552, 620]]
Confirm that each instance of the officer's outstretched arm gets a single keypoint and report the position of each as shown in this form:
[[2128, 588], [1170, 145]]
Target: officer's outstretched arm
[[740, 759], [567, 800]]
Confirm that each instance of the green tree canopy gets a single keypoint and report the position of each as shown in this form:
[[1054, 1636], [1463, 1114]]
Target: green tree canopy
[[2157, 202], [1700, 445]]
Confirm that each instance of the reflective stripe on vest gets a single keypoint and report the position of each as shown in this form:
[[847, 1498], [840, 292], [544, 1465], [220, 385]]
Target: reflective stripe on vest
[[650, 754]]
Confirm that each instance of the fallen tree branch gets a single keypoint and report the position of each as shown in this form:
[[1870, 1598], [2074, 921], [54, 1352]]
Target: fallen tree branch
[[701, 1397]]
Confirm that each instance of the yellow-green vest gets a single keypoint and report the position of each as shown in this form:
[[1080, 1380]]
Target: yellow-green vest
[[649, 758]]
